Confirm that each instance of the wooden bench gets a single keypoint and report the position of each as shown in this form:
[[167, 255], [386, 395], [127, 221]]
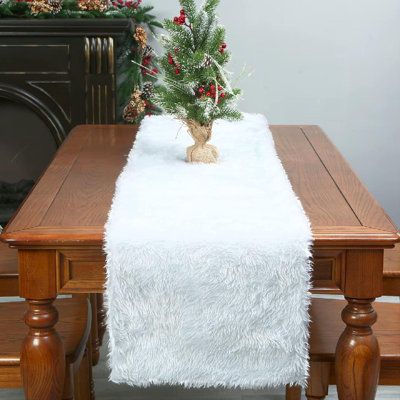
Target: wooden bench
[[326, 331], [8, 271], [74, 328], [9, 287], [391, 273]]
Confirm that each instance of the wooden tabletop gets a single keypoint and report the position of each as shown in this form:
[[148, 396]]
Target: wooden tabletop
[[70, 203]]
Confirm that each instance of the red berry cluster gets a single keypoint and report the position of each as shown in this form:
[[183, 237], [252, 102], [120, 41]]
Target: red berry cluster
[[171, 61], [146, 65], [211, 91], [222, 48], [149, 108], [148, 71], [146, 61], [126, 3], [181, 20]]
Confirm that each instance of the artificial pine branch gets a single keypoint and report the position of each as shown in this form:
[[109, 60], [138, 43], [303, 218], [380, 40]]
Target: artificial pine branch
[[196, 85]]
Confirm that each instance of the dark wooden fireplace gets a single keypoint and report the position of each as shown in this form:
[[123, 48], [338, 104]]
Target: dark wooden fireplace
[[54, 75]]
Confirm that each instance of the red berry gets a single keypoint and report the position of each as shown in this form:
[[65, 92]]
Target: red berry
[[182, 12], [219, 88], [177, 71], [212, 88], [176, 20], [201, 90], [170, 59], [222, 95], [223, 45], [208, 94], [181, 19], [154, 71]]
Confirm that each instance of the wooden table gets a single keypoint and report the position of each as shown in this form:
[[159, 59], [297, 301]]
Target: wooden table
[[59, 236]]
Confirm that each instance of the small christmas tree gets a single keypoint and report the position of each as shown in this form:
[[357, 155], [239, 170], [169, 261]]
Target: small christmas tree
[[196, 88]]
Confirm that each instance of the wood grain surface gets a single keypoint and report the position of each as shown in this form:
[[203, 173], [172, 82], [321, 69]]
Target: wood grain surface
[[71, 201]]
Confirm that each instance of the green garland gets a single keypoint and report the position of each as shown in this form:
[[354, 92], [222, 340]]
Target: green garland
[[136, 71], [70, 9]]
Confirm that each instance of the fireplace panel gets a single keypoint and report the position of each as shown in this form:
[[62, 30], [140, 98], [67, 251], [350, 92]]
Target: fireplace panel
[[33, 58], [26, 147], [54, 75], [26, 143]]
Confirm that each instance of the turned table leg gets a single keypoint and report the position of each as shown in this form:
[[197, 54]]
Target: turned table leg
[[357, 353], [357, 361], [42, 354]]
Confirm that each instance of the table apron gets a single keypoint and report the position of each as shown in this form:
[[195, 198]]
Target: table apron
[[82, 270]]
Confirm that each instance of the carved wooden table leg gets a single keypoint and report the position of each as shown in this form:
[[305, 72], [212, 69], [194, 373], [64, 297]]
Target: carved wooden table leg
[[357, 353], [357, 360], [42, 355]]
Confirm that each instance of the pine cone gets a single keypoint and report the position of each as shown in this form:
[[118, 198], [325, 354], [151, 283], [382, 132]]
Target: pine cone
[[148, 51], [207, 62], [140, 36], [93, 5], [45, 6], [147, 91], [135, 107]]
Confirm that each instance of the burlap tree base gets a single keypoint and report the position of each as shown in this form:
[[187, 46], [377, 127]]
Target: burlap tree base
[[201, 152]]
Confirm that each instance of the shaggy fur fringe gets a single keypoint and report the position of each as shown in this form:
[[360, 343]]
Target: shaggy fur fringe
[[207, 265]]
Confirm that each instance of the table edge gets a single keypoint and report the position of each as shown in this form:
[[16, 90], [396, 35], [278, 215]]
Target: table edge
[[49, 236]]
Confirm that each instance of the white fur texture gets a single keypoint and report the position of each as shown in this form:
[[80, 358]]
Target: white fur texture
[[207, 265]]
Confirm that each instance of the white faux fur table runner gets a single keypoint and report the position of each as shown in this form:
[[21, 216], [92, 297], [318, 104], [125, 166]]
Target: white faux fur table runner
[[207, 265]]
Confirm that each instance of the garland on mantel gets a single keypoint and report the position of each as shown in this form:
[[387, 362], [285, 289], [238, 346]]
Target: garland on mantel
[[137, 71]]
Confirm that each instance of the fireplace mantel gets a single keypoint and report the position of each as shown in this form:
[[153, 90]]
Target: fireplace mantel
[[62, 69], [64, 27]]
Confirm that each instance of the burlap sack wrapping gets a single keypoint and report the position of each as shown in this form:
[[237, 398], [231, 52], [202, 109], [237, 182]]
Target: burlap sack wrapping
[[201, 152]]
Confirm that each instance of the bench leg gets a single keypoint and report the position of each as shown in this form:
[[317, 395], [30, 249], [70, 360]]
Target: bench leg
[[293, 392], [68, 393], [318, 383], [101, 317], [84, 387], [94, 332]]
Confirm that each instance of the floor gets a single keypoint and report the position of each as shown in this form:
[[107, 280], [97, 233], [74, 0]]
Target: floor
[[106, 390]]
